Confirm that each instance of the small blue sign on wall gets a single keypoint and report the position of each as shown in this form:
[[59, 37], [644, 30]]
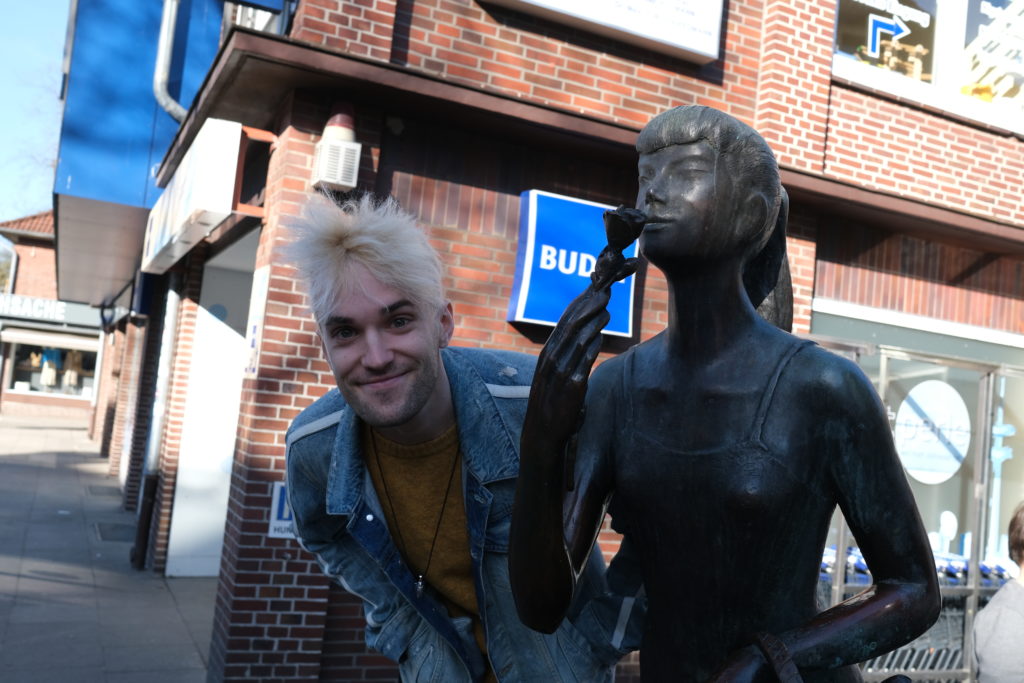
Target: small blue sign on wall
[[559, 240], [280, 513]]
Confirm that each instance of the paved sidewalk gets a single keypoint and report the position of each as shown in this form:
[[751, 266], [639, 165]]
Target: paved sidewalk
[[72, 609]]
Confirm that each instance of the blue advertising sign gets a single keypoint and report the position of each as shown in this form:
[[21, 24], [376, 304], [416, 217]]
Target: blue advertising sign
[[559, 240]]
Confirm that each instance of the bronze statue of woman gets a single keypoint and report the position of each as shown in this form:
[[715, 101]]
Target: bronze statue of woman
[[721, 447]]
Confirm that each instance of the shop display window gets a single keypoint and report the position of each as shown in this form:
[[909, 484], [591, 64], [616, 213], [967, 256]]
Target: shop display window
[[50, 370], [956, 408]]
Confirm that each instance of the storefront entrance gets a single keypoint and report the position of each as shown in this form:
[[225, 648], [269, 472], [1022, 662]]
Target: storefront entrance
[[211, 413], [957, 423]]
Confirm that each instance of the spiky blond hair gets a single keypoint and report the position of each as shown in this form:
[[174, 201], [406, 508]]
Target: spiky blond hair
[[330, 238]]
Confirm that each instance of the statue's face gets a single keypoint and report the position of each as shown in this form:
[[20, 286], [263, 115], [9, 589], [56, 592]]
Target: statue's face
[[687, 205]]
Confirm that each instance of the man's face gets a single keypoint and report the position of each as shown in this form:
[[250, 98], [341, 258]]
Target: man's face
[[384, 352], [681, 193]]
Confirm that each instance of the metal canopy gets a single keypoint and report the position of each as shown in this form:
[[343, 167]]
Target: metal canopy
[[99, 245]]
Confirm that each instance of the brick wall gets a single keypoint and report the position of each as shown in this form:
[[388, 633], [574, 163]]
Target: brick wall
[[470, 206], [34, 275], [506, 52], [177, 394], [887, 270], [105, 414], [883, 145], [135, 445], [123, 433], [802, 249], [272, 599], [795, 75]]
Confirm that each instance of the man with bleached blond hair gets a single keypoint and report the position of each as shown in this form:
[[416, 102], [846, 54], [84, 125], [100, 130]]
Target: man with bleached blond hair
[[402, 480]]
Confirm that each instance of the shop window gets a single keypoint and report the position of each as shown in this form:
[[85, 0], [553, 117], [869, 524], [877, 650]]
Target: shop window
[[956, 407], [50, 370], [8, 261]]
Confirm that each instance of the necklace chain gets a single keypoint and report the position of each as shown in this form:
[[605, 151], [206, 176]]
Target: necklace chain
[[391, 506]]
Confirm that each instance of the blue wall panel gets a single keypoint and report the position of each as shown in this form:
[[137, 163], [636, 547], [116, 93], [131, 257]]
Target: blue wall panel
[[114, 134]]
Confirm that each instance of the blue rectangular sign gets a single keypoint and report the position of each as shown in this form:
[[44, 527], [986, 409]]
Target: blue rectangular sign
[[559, 241]]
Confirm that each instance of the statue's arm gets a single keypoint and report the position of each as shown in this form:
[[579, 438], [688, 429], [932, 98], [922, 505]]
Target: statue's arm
[[851, 430], [562, 488]]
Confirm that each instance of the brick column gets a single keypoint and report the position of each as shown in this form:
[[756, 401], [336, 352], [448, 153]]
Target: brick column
[[106, 389], [795, 80], [802, 248], [177, 393], [145, 378], [124, 426], [109, 386], [272, 600]]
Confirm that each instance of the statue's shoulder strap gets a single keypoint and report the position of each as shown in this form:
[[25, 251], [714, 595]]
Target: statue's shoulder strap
[[769, 391]]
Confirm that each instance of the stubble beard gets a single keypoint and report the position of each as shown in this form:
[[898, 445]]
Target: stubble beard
[[383, 411]]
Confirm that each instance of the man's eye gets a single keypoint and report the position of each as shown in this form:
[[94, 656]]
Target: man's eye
[[343, 333], [401, 321]]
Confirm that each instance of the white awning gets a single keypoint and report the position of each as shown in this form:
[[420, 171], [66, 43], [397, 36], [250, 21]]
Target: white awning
[[57, 340]]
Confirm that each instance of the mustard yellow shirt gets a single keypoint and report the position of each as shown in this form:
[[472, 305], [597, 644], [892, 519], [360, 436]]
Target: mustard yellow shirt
[[416, 485]]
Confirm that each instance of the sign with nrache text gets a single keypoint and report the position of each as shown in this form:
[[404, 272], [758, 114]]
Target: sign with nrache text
[[48, 310], [559, 241]]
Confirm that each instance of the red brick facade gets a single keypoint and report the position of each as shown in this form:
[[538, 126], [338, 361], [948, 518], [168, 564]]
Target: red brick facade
[[177, 392], [272, 602], [901, 273], [148, 338], [36, 266], [101, 426]]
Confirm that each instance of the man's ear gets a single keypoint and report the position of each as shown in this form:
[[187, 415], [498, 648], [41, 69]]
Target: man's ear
[[447, 325]]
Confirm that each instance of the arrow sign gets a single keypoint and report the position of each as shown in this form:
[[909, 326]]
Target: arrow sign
[[877, 25]]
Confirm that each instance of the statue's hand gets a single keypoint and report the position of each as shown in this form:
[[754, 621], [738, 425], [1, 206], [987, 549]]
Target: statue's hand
[[563, 368]]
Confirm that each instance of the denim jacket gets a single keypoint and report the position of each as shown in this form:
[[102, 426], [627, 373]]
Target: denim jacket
[[339, 518]]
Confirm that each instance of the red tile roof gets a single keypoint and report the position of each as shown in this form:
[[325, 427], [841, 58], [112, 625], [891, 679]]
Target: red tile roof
[[40, 224]]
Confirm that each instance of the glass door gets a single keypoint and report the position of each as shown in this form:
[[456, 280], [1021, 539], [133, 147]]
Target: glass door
[[941, 413]]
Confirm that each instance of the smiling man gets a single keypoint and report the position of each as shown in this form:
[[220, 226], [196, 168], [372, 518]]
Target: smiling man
[[401, 481]]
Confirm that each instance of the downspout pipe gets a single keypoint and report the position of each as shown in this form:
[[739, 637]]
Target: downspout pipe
[[162, 70]]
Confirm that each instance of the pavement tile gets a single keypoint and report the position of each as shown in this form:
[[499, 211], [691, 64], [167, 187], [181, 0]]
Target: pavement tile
[[92, 674], [151, 676], [72, 609], [152, 635], [49, 645], [162, 657], [33, 612]]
